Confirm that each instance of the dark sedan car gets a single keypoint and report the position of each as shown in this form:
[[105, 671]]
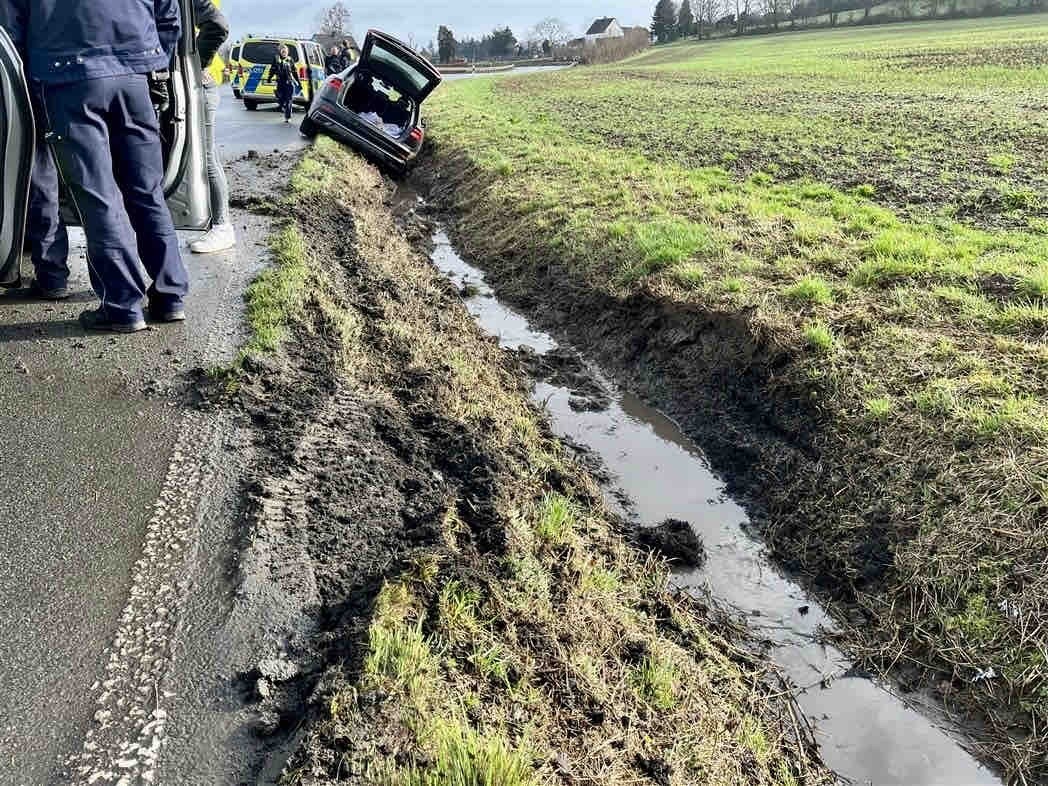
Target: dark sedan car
[[374, 104]]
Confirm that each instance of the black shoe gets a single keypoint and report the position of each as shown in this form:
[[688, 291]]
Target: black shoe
[[96, 320], [167, 314], [55, 293]]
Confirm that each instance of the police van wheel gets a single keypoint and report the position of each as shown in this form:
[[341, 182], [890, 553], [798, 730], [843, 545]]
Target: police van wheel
[[250, 105], [308, 127]]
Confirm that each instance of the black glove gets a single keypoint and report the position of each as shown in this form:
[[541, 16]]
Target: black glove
[[159, 92]]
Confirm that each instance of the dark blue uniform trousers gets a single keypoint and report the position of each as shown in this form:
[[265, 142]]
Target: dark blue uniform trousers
[[106, 138], [45, 231]]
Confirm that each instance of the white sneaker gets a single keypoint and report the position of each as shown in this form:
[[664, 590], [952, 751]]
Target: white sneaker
[[221, 238]]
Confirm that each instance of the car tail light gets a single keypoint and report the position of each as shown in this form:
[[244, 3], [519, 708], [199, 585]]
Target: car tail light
[[335, 83], [301, 72], [240, 71], [415, 135]]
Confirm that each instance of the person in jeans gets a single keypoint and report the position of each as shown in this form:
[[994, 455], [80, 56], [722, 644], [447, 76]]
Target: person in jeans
[[213, 30], [286, 74]]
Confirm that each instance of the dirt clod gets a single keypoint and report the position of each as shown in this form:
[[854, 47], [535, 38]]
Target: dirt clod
[[675, 540]]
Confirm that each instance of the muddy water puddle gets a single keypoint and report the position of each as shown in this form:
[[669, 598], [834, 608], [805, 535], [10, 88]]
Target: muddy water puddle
[[866, 733]]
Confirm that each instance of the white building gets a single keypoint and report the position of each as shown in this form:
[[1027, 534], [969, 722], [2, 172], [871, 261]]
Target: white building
[[605, 27]]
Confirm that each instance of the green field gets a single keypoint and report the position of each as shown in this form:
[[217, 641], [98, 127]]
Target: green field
[[875, 201]]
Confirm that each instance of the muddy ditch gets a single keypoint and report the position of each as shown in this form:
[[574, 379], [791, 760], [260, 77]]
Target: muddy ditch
[[452, 589], [653, 472]]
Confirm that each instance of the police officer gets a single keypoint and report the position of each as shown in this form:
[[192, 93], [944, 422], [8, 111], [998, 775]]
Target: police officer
[[99, 66], [288, 82]]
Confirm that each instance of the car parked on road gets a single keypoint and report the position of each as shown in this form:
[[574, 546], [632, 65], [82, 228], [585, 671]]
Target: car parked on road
[[257, 55], [181, 129], [374, 105]]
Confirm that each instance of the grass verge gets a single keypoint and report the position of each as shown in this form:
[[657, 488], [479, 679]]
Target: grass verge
[[828, 248], [516, 639]]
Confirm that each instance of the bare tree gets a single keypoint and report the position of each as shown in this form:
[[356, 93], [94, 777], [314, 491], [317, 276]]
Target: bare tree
[[550, 29], [742, 16], [334, 20]]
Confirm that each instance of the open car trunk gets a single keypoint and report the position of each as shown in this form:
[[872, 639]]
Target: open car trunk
[[376, 104]]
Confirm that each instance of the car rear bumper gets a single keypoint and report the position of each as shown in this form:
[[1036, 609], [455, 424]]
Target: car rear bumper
[[344, 132]]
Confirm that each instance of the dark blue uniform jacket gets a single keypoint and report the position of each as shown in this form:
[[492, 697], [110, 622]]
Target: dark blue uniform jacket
[[72, 40]]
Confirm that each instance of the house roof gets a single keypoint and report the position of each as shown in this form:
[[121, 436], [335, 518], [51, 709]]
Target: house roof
[[600, 26]]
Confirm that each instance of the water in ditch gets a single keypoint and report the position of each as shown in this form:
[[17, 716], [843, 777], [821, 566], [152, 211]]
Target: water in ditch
[[866, 733]]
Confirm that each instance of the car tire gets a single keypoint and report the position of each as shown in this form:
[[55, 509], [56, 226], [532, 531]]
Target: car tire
[[308, 128], [250, 105]]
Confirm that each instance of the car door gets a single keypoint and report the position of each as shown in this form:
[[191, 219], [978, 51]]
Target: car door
[[17, 145], [398, 65], [182, 128]]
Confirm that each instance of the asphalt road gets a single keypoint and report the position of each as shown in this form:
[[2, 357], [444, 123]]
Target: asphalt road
[[87, 452]]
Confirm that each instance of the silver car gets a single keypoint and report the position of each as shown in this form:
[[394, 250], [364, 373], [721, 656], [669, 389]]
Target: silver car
[[182, 129], [374, 105]]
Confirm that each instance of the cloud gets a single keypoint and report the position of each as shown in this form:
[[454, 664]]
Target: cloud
[[421, 19]]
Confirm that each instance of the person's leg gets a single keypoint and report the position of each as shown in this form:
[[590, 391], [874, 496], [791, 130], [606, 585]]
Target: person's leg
[[221, 235], [80, 138], [138, 164], [45, 230]]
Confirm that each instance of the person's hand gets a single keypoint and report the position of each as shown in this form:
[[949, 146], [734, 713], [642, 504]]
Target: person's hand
[[159, 92]]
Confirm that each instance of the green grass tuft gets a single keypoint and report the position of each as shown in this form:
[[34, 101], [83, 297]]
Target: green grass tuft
[[811, 289], [465, 757], [819, 337], [655, 680], [276, 296]]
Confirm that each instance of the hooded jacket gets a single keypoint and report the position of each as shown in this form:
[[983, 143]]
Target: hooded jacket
[[212, 32], [65, 41]]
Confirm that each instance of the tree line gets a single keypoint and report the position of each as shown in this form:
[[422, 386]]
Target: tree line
[[703, 18], [500, 44]]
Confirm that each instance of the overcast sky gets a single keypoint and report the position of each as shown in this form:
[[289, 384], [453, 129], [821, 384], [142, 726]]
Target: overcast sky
[[422, 17]]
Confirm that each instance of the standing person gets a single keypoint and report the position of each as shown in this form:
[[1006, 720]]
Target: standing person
[[333, 62], [286, 74], [347, 53], [103, 68], [213, 30]]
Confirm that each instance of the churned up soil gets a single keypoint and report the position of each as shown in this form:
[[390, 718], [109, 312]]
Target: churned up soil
[[476, 615]]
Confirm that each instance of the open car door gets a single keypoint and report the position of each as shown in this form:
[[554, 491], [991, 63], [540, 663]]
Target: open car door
[[17, 145], [182, 129], [398, 65]]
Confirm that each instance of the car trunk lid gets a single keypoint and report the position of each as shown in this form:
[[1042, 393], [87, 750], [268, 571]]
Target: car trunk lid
[[399, 66]]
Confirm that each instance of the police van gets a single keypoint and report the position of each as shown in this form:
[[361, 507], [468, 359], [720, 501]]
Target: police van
[[257, 55], [234, 71]]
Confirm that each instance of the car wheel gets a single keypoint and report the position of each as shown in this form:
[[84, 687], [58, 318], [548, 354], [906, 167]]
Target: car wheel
[[250, 105], [308, 127]]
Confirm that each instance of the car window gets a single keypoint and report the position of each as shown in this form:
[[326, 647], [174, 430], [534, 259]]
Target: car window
[[266, 51], [414, 77], [235, 53], [314, 55]]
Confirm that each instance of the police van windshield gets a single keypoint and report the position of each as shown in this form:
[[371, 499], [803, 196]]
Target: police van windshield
[[266, 52]]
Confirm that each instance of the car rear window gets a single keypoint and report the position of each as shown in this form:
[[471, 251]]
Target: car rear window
[[415, 78], [235, 53], [266, 52]]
